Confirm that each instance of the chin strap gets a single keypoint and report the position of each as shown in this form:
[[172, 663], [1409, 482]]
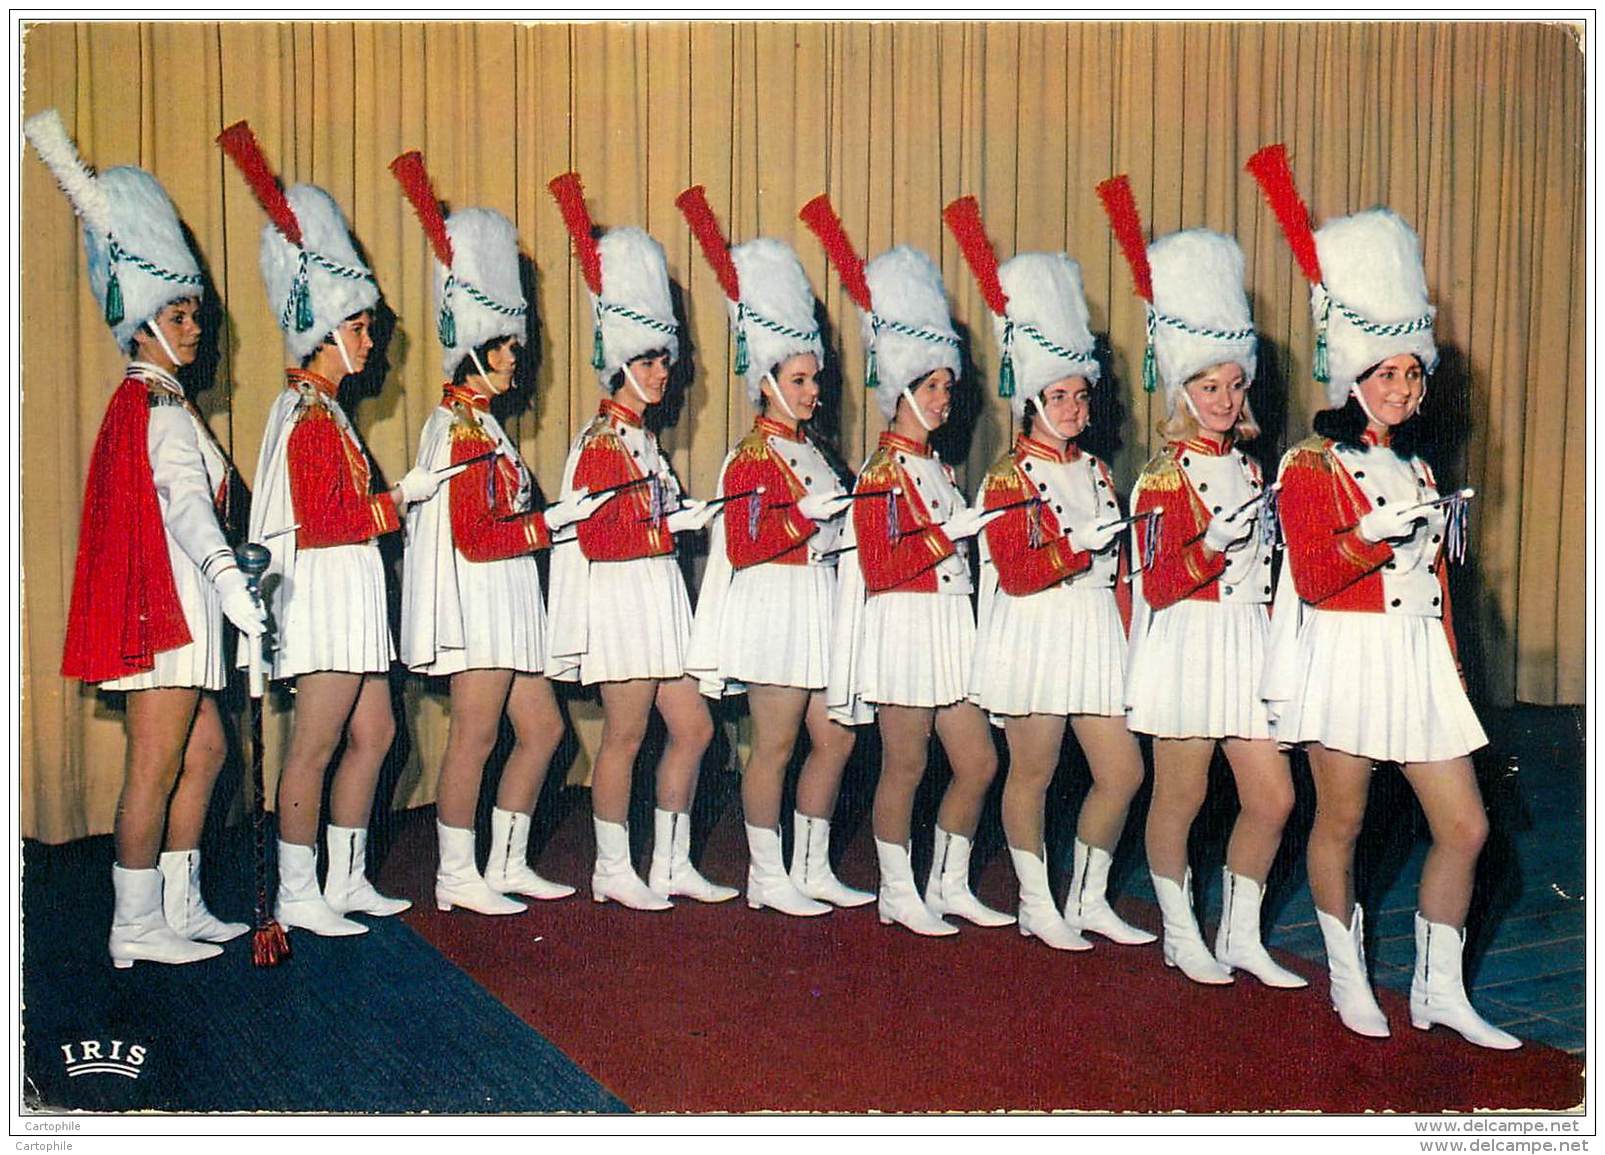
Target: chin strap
[[345, 357], [155, 330], [630, 377], [483, 376], [780, 398], [919, 414], [1042, 416]]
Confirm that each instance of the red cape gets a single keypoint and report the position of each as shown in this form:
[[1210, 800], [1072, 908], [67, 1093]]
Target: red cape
[[125, 607]]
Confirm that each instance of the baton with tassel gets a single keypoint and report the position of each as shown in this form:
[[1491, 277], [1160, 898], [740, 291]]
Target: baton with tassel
[[269, 946]]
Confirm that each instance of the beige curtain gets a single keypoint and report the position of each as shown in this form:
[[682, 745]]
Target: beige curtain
[[1475, 132]]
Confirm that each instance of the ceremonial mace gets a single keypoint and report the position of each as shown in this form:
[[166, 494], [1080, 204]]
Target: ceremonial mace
[[268, 943]]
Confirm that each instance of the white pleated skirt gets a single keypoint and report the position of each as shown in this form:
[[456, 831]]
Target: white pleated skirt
[[1058, 651], [775, 629], [199, 665], [639, 621], [1196, 672], [503, 619], [1379, 686], [334, 614], [917, 649]]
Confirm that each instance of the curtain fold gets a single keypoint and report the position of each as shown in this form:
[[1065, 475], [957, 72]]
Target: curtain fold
[[1475, 132]]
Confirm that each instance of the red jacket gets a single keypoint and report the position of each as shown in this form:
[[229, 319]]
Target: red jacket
[[624, 528], [330, 479], [1333, 567], [782, 532], [485, 526], [1182, 569], [907, 562], [125, 608]]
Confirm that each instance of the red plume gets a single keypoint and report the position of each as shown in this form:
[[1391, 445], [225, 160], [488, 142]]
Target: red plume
[[1270, 168], [693, 205], [1121, 208], [963, 219], [823, 222], [570, 197], [240, 143], [409, 170]]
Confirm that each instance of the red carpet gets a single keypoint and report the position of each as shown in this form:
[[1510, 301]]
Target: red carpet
[[708, 1009]]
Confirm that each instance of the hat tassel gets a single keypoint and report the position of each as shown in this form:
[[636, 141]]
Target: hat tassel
[[1006, 371], [598, 353], [1150, 362], [114, 292], [871, 369], [742, 359], [1323, 368], [446, 322], [301, 297]]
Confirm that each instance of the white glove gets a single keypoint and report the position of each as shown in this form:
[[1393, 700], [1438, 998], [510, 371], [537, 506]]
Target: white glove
[[420, 484], [1389, 522], [577, 506], [692, 515], [239, 607], [1094, 537], [823, 506], [967, 522], [1226, 531]]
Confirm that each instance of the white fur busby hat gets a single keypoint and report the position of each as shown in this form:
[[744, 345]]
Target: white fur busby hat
[[137, 257], [1199, 316], [321, 281], [909, 333], [1372, 301], [634, 312], [1046, 329], [479, 298], [774, 319]]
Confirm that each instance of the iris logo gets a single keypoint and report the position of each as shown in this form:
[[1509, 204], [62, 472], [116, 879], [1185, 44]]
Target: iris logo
[[94, 1057]]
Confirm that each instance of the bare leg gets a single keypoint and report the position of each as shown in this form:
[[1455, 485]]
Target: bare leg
[[905, 746], [690, 727], [323, 701], [369, 733], [830, 744], [1448, 794], [967, 739], [203, 761], [1116, 764], [777, 714], [1034, 743], [626, 706], [1342, 786], [537, 731], [477, 699], [1181, 776], [158, 723], [1265, 799]]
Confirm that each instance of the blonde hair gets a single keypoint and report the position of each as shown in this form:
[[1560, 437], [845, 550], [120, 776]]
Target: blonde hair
[[1180, 424]]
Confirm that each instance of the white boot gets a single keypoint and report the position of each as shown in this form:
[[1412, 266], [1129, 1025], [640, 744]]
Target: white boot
[[810, 864], [767, 883], [1438, 993], [458, 881], [1038, 916], [899, 901], [508, 870], [300, 902], [947, 890], [1086, 907], [1184, 946], [139, 930], [1237, 939], [614, 878], [181, 900], [1351, 989], [346, 888], [672, 872]]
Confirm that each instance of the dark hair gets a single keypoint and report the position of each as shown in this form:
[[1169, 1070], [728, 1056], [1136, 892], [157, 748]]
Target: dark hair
[[1346, 426], [465, 365], [616, 382]]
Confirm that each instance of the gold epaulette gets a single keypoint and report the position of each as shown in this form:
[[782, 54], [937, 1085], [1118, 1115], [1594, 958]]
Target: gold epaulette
[[879, 470], [599, 427], [1162, 474], [753, 447], [158, 395], [465, 424], [1004, 475], [1314, 452]]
